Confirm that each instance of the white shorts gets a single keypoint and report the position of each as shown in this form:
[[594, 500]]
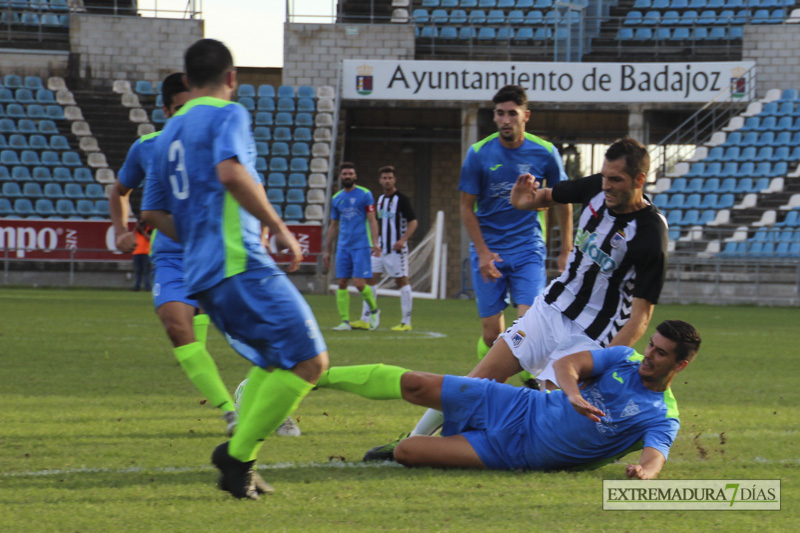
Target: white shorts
[[544, 335], [394, 264]]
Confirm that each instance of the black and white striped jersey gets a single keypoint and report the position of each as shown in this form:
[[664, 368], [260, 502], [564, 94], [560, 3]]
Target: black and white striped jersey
[[615, 258], [394, 214]]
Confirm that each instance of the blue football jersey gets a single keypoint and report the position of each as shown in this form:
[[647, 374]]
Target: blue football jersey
[[561, 437], [490, 171], [220, 238], [350, 208]]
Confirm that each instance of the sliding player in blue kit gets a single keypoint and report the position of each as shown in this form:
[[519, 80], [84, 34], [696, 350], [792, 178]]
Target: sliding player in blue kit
[[203, 190]]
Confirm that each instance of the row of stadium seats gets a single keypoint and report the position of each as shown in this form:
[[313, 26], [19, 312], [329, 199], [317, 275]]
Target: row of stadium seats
[[760, 250], [479, 17], [44, 174], [771, 123], [38, 5], [712, 200], [705, 18], [488, 34], [283, 91], [717, 185], [48, 158], [26, 96], [36, 141], [277, 180], [34, 111], [34, 191], [13, 81], [63, 208], [733, 169], [680, 34], [519, 4], [295, 196], [782, 108], [298, 149], [711, 4], [690, 217], [741, 154], [767, 138], [296, 164], [30, 19]]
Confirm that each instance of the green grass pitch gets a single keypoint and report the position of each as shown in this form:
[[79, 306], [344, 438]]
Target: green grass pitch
[[101, 430]]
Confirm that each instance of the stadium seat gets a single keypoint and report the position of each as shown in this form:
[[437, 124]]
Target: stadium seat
[[304, 119], [17, 142], [265, 104], [286, 91], [266, 91], [278, 164], [262, 133], [246, 89], [95, 191], [710, 185], [7, 125], [42, 174], [247, 102], [25, 96], [280, 149], [449, 33], [6, 209], [83, 175], [275, 196], [53, 191], [305, 104], [709, 201], [74, 191], [284, 119], [276, 180], [651, 18], [44, 207], [9, 157], [780, 153], [47, 127], [486, 34], [467, 33], [295, 196], [24, 207], [39, 142], [675, 201], [293, 212], [302, 134], [477, 16], [30, 158], [526, 34], [301, 149], [298, 164], [283, 134], [297, 180], [317, 181], [12, 81], [101, 208], [70, 158], [62, 175], [11, 189], [264, 118], [16, 111], [262, 148], [20, 173], [261, 164]]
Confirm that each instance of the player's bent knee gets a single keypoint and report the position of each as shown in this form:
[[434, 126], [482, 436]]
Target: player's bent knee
[[179, 333], [311, 369], [404, 453], [422, 388]]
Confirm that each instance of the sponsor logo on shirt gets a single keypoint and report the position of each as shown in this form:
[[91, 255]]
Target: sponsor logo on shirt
[[495, 167], [615, 376], [585, 242]]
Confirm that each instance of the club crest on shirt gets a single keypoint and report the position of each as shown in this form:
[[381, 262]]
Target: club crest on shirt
[[630, 410], [523, 168], [352, 201], [618, 239], [518, 338]]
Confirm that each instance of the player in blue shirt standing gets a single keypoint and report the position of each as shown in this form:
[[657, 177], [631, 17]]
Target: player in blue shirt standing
[[507, 252], [203, 190], [353, 220], [184, 322], [624, 404]]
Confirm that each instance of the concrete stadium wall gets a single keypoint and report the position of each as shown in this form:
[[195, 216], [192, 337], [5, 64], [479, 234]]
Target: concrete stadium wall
[[34, 63], [133, 48], [312, 53], [776, 51]]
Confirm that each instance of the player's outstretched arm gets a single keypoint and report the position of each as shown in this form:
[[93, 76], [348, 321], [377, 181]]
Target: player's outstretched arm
[[569, 371], [527, 196], [650, 464], [252, 197], [119, 208]]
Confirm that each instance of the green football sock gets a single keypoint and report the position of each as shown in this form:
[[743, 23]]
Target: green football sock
[[369, 297], [201, 328], [482, 348], [255, 378], [202, 370], [278, 396], [376, 382], [343, 304]]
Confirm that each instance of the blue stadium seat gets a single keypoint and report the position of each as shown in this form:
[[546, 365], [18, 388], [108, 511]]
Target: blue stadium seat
[[24, 207], [42, 174], [717, 34], [662, 34], [777, 16], [70, 159], [276, 180], [781, 153], [535, 17], [765, 138], [515, 17], [689, 18], [725, 201], [297, 180], [282, 133], [696, 185], [247, 89], [25, 96], [264, 118], [7, 125], [17, 142], [305, 104], [651, 18], [486, 34], [477, 16], [642, 4], [678, 185], [53, 191], [275, 196], [521, 4], [487, 3], [496, 16], [145, 88], [16, 111], [696, 170], [262, 148], [792, 219], [247, 102], [543, 4], [101, 208], [767, 124], [20, 173], [293, 212], [670, 18], [9, 157], [301, 149], [278, 164], [11, 189], [158, 116], [760, 16], [718, 153], [526, 34], [261, 164], [39, 142], [725, 17], [544, 34], [299, 164], [286, 91], [284, 119], [95, 191], [261, 133], [770, 108], [728, 185], [734, 170], [74, 191], [674, 217], [12, 81], [306, 91], [266, 91], [623, 34], [85, 208], [633, 18], [304, 119], [709, 201], [675, 201], [295, 196], [44, 207], [62, 175], [265, 103], [449, 33], [692, 201], [65, 207], [83, 175], [504, 4], [706, 216], [36, 111], [697, 4], [742, 17], [286, 104], [710, 185], [280, 149], [51, 20], [6, 209], [6, 96], [438, 16], [680, 34], [47, 127], [30, 158], [302, 134], [59, 142], [458, 16]]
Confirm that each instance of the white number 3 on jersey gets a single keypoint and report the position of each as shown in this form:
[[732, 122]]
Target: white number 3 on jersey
[[179, 180]]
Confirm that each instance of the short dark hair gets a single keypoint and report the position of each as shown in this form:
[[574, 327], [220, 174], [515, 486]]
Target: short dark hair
[[511, 93], [386, 169], [637, 160], [206, 63], [172, 85], [685, 337], [345, 165]]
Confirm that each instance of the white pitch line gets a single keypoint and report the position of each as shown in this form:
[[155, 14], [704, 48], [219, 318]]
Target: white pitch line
[[172, 469], [411, 335]]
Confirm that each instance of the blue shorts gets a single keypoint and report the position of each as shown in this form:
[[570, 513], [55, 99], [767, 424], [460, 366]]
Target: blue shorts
[[264, 318], [491, 416], [168, 283], [523, 274], [354, 263]]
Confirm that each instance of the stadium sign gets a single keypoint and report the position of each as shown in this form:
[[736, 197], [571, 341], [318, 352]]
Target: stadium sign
[[545, 82], [93, 240]]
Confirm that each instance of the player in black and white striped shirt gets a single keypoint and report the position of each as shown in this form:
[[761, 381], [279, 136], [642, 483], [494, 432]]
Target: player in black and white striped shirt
[[396, 223], [614, 275]]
